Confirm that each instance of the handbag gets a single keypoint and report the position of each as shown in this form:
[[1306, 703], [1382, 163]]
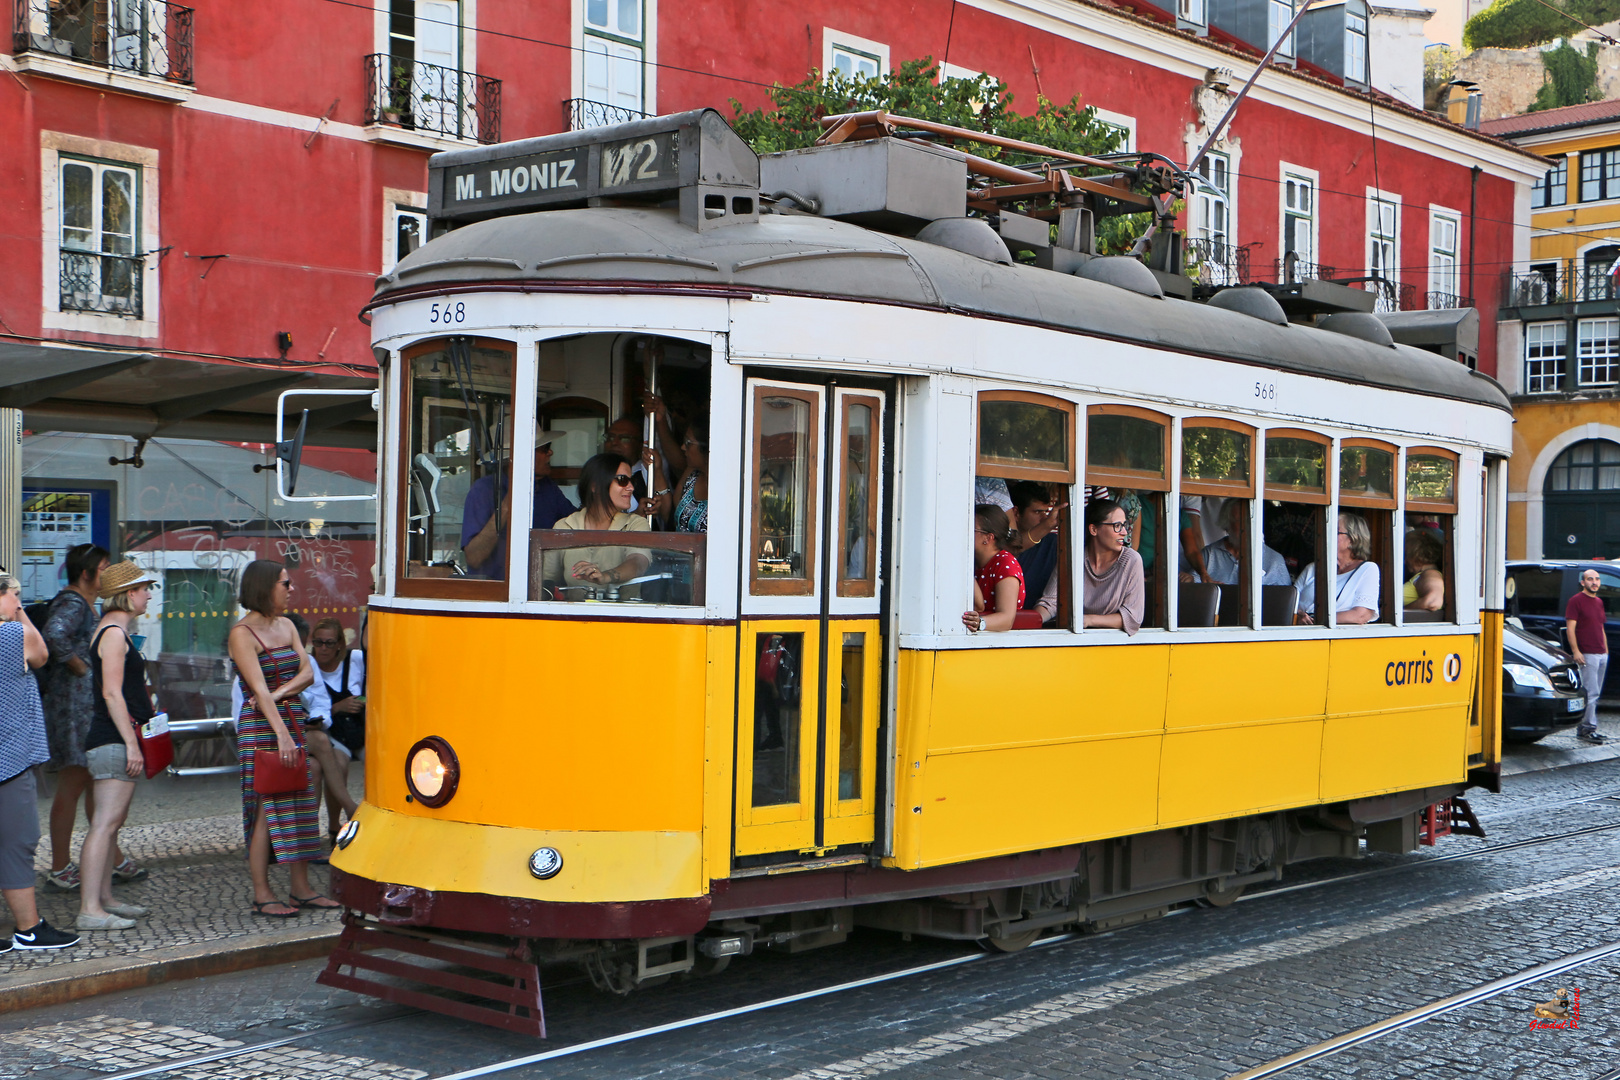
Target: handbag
[[157, 745], [271, 777]]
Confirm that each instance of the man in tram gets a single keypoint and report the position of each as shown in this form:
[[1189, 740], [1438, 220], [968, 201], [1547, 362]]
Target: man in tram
[[1035, 517], [484, 531], [1224, 558]]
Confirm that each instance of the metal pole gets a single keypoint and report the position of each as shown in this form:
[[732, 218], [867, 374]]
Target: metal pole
[[1215, 132], [11, 471]]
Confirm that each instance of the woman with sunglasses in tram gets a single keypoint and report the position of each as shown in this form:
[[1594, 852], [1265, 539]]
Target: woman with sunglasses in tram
[[605, 493]]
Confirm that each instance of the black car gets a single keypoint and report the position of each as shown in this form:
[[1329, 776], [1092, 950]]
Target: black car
[[1538, 593], [1541, 687]]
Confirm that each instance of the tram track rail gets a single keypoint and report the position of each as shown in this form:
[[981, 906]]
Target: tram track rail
[[635, 1035]]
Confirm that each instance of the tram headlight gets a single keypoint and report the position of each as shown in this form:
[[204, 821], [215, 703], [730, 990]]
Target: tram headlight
[[432, 771], [545, 863]]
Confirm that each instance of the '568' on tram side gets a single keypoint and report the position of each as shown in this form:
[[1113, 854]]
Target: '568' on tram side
[[768, 724]]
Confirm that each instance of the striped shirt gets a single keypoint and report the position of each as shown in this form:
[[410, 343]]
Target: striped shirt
[[22, 721]]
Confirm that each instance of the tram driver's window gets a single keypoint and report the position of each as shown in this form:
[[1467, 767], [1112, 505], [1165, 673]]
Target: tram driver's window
[[1026, 468], [1294, 513], [1213, 569], [1428, 582], [456, 508], [1127, 451]]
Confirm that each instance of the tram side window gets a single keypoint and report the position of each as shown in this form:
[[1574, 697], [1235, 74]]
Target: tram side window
[[1127, 455], [458, 471], [621, 502], [1428, 592], [1213, 568], [1025, 472], [1294, 517]]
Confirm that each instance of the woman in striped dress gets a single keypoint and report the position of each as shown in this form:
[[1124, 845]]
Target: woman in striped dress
[[273, 667]]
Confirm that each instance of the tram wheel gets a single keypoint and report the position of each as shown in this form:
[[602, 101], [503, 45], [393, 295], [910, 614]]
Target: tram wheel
[[1220, 898], [1012, 943]]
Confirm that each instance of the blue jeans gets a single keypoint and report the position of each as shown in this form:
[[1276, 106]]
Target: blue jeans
[[1592, 672]]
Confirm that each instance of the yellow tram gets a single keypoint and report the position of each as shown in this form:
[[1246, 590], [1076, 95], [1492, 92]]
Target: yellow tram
[[780, 728]]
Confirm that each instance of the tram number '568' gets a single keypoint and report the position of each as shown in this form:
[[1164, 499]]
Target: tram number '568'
[[1265, 391], [447, 312]]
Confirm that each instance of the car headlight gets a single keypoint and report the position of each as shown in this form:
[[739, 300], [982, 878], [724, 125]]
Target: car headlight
[[1527, 676], [432, 771]]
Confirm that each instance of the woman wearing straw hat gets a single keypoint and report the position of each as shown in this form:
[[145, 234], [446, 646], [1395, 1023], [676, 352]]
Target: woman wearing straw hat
[[273, 666], [121, 703]]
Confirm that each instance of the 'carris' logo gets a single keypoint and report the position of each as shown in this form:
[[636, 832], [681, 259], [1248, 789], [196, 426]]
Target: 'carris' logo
[[1421, 670]]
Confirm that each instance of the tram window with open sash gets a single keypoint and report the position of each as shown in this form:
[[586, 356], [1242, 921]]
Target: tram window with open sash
[[1026, 469], [1214, 567], [1128, 454], [1428, 585], [1294, 510], [456, 461], [1367, 496]]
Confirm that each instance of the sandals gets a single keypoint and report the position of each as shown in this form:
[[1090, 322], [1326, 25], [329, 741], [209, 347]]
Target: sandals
[[302, 902], [258, 909]]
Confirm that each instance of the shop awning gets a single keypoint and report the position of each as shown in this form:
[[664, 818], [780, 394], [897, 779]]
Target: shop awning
[[135, 394]]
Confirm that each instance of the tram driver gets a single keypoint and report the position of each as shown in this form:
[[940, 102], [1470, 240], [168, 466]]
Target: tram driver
[[484, 530], [1355, 598]]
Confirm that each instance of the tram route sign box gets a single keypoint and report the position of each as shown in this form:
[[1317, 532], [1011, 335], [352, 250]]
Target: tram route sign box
[[55, 517], [692, 157]]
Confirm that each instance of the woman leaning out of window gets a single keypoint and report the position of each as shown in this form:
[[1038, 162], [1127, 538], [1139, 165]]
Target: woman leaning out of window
[[1114, 580], [998, 580]]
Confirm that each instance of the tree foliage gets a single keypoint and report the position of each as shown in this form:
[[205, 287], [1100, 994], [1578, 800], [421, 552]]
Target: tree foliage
[[1571, 77], [1520, 24]]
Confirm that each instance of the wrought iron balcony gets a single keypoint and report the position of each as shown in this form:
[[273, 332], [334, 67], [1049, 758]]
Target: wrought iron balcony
[[1212, 261], [138, 37], [432, 100], [1291, 270], [1435, 301], [584, 113], [101, 284], [1565, 281]]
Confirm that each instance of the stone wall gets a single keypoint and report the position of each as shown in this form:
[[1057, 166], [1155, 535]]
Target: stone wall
[[1511, 78]]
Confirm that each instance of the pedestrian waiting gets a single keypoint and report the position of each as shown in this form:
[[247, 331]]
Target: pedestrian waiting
[[22, 746]]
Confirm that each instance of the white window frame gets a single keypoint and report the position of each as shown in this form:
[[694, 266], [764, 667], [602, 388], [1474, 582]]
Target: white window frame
[[837, 40], [1545, 342], [1299, 174], [1274, 27], [1204, 206], [1438, 217], [144, 161], [1124, 123], [398, 202], [1195, 12], [1350, 36], [1375, 197], [1593, 349], [648, 45], [469, 32]]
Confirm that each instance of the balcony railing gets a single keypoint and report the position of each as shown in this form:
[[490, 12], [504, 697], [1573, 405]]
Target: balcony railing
[[1291, 270], [101, 284], [1564, 282], [1212, 261], [433, 100], [584, 113], [1435, 301], [139, 37]]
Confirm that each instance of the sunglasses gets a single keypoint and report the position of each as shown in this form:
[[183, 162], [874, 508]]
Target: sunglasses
[[622, 479], [324, 643]]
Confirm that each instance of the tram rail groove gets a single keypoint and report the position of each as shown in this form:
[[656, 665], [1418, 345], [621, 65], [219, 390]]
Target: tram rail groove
[[1413, 1017], [241, 1051]]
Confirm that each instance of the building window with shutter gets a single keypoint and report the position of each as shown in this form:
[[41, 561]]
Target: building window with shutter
[[615, 63], [1544, 357], [1298, 228], [1443, 233], [101, 264], [1383, 249], [1210, 244]]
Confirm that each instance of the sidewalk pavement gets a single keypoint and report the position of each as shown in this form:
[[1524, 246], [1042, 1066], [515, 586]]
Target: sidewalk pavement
[[188, 834]]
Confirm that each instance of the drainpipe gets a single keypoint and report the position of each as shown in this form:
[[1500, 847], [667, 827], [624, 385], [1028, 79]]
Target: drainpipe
[[1473, 206]]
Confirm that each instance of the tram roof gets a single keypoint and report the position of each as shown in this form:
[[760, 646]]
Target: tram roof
[[807, 255]]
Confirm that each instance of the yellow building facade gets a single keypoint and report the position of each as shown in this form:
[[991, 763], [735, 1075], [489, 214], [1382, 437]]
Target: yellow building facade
[[1561, 315]]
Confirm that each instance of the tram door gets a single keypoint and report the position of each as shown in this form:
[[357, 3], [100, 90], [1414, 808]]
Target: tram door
[[812, 649]]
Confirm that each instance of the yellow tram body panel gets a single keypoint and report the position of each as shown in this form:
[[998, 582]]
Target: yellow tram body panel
[[1011, 750]]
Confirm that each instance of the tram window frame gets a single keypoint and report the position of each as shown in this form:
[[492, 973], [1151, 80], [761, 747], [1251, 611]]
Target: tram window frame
[[1223, 490], [1445, 514], [1379, 511], [847, 402], [807, 584], [440, 587], [1115, 478], [1060, 482]]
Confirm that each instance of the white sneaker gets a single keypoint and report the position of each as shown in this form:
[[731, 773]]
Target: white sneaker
[[108, 921]]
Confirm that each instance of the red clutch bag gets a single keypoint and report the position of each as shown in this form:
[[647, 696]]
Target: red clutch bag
[[157, 746], [271, 777]]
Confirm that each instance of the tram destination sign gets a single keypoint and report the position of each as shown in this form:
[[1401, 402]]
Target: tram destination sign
[[646, 160]]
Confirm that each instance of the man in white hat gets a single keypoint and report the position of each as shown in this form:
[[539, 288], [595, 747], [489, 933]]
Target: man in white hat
[[485, 526]]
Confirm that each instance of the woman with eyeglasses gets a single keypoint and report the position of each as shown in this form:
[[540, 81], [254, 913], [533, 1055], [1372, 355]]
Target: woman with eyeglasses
[[605, 493], [998, 580], [1355, 590], [274, 669], [1115, 592]]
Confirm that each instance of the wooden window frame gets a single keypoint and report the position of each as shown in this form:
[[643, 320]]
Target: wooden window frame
[[1134, 479], [816, 398], [1373, 502], [1219, 488], [867, 586], [1300, 494], [1436, 505], [999, 467], [491, 590]]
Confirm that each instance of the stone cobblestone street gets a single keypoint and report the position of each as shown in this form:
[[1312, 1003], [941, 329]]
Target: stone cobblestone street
[[1199, 994]]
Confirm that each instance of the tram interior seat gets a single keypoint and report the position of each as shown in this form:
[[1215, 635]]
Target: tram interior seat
[[1417, 615], [1231, 609], [1198, 602], [1027, 620], [1278, 603]]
